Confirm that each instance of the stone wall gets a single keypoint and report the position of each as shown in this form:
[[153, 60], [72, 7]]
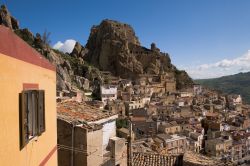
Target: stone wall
[[86, 145]]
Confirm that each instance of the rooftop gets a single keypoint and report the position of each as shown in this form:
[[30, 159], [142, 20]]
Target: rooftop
[[143, 159], [198, 159], [171, 124], [74, 111], [217, 141], [170, 138]]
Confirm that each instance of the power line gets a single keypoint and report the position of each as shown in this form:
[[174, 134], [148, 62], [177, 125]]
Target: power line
[[78, 151]]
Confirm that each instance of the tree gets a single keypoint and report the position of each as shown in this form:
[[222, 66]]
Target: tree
[[46, 38]]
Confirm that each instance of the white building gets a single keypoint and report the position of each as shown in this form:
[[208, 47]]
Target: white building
[[108, 92], [197, 89], [237, 100], [146, 100], [130, 105], [174, 144], [186, 94], [108, 130]]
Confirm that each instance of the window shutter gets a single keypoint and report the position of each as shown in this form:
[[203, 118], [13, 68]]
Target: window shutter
[[23, 119], [41, 112], [34, 112]]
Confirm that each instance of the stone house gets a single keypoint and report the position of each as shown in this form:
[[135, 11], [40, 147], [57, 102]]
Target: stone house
[[117, 107], [173, 144], [186, 112], [124, 96], [247, 144], [237, 150], [219, 147], [124, 133], [84, 133], [130, 105], [143, 127], [195, 141], [165, 112], [184, 94], [168, 99], [180, 102], [124, 83], [157, 89], [79, 144], [118, 153], [197, 89], [170, 86], [234, 100], [169, 128], [108, 92]]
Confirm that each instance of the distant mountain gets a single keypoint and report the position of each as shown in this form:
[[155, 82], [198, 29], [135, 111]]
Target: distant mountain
[[233, 84]]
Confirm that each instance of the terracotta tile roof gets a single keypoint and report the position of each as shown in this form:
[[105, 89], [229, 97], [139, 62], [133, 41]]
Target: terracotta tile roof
[[133, 119], [198, 159], [151, 159], [212, 114], [75, 111]]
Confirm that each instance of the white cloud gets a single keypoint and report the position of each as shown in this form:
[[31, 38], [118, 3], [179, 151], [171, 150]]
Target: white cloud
[[220, 68], [67, 46]]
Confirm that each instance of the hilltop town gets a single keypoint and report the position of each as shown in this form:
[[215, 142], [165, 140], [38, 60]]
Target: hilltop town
[[115, 103]]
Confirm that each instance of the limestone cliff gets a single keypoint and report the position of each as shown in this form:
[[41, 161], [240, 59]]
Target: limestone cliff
[[112, 46], [70, 71], [6, 19]]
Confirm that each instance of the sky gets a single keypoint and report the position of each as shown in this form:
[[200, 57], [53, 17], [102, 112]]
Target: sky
[[207, 38]]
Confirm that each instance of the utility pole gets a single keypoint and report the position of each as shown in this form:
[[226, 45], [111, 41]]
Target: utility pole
[[129, 144]]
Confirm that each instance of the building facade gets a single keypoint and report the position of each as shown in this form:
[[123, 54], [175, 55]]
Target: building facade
[[108, 92], [28, 104]]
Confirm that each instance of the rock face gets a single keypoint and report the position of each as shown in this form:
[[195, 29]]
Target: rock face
[[112, 46], [6, 18], [108, 46], [69, 70]]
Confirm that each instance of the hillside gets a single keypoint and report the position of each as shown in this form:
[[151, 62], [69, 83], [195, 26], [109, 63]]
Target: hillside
[[112, 46], [233, 84]]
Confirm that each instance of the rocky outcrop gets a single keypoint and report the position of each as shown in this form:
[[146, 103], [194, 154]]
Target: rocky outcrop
[[79, 51], [69, 70], [182, 79], [7, 20], [112, 46]]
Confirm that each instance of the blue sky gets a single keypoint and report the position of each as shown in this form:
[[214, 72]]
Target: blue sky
[[208, 38]]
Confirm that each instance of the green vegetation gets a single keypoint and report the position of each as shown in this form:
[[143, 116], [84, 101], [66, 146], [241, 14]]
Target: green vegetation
[[25, 36], [233, 84], [121, 123]]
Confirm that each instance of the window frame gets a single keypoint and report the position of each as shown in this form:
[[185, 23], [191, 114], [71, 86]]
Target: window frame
[[31, 115]]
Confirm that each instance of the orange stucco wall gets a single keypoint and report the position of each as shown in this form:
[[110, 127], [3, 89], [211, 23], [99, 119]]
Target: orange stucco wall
[[13, 73]]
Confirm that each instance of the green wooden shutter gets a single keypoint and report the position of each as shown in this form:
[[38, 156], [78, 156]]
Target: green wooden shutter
[[41, 111], [23, 119]]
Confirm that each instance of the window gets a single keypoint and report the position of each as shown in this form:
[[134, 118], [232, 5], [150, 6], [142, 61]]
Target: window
[[32, 115]]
